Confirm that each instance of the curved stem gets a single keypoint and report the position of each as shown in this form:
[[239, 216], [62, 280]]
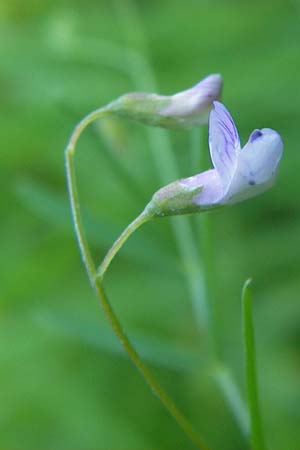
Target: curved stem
[[133, 226], [97, 283], [91, 117], [73, 194], [143, 369]]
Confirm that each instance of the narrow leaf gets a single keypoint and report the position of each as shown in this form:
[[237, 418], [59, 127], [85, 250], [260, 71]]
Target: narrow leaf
[[257, 435], [158, 352]]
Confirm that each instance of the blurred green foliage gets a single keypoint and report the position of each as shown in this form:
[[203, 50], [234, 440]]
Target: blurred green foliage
[[64, 381]]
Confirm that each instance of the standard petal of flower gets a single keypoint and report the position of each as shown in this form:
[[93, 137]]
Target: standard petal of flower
[[257, 165], [224, 143]]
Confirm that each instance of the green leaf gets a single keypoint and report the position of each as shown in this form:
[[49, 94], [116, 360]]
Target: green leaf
[[257, 434]]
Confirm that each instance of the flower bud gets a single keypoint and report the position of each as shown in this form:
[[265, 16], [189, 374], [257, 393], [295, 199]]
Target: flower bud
[[185, 109]]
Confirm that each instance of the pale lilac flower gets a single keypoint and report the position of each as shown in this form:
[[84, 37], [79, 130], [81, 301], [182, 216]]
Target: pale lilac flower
[[238, 173], [185, 109]]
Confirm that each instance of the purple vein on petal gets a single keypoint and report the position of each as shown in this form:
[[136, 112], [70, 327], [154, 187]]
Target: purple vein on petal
[[224, 142]]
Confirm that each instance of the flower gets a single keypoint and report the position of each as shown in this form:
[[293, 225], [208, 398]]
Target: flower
[[238, 173], [182, 110]]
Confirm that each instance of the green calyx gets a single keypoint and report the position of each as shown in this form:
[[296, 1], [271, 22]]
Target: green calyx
[[174, 199], [144, 108]]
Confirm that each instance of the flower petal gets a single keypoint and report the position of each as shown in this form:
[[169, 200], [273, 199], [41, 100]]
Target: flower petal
[[212, 189], [257, 165], [192, 106], [224, 143]]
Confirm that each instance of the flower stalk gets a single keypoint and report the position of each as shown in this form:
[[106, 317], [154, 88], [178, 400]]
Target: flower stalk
[[132, 227], [96, 281]]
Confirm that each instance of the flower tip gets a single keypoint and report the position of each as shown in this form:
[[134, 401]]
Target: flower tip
[[272, 133], [192, 106], [213, 78], [271, 139], [211, 86]]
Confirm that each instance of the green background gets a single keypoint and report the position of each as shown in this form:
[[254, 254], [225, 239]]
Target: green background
[[65, 382]]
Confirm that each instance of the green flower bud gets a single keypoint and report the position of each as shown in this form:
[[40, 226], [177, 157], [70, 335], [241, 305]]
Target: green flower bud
[[185, 109]]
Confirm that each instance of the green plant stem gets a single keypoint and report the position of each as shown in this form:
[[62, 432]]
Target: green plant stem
[[222, 375], [132, 227], [257, 434], [116, 165], [145, 372], [203, 225], [74, 201], [97, 284], [203, 237]]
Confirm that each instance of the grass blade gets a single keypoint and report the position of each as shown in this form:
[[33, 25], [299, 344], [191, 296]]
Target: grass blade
[[155, 351], [232, 396], [257, 435]]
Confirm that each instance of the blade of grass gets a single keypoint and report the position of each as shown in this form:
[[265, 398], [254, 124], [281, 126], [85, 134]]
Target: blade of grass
[[257, 433], [232, 396], [52, 207], [156, 351], [204, 232]]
